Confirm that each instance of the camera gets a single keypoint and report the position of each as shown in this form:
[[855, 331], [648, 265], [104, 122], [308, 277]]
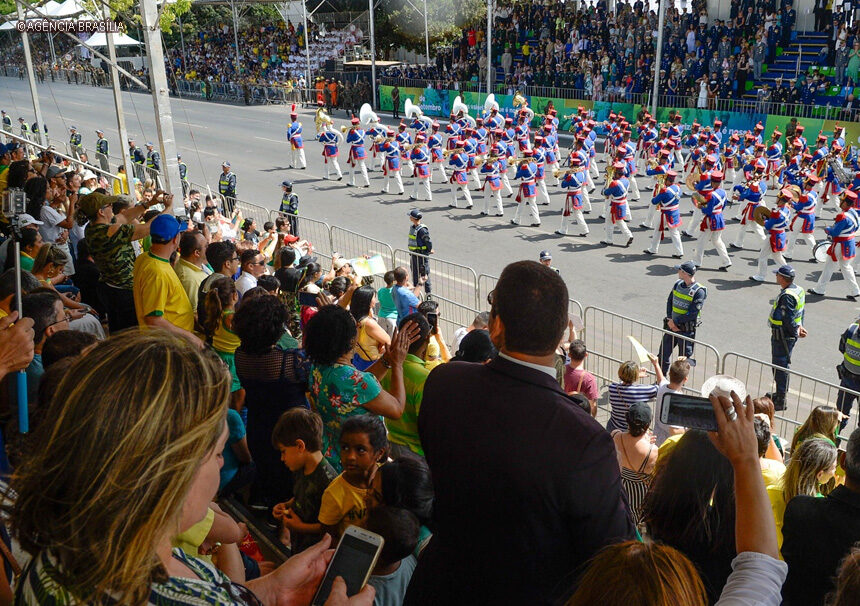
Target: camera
[[14, 202]]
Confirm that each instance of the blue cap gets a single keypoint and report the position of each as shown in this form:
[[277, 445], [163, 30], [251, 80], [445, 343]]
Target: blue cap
[[415, 213], [3, 150], [287, 184], [179, 156], [165, 227], [148, 144], [73, 128], [225, 163], [12, 146], [786, 271], [688, 267], [545, 254]]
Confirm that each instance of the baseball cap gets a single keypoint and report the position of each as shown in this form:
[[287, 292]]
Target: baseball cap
[[165, 227], [73, 128], [25, 220], [415, 213], [287, 184], [55, 171], [88, 174], [639, 414], [92, 203], [3, 150], [339, 263], [786, 271], [290, 238], [225, 163], [98, 130], [545, 254], [688, 267]]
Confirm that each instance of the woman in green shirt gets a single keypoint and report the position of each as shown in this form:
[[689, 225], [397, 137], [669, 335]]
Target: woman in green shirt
[[387, 314]]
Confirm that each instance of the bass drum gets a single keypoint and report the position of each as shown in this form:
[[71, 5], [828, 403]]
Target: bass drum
[[819, 251]]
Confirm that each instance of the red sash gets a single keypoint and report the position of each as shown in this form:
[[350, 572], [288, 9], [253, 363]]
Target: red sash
[[748, 212], [831, 250]]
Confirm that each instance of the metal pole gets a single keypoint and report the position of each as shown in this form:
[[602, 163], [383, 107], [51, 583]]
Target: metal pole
[[658, 57], [161, 104], [489, 46], [307, 47], [236, 35], [372, 59], [117, 101], [31, 77], [426, 35]]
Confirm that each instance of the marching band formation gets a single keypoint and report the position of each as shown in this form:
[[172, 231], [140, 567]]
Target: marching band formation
[[731, 176]]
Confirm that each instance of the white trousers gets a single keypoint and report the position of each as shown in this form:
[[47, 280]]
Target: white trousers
[[474, 174], [794, 237], [297, 158], [332, 162], [674, 234], [530, 204], [393, 174], [496, 196], [634, 189], [610, 227], [506, 184], [695, 220], [540, 185], [575, 216], [716, 239], [847, 272], [440, 166], [764, 255], [751, 226], [359, 166], [464, 189], [424, 186]]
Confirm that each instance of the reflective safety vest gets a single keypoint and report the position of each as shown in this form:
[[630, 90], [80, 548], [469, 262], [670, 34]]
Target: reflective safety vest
[[799, 296], [226, 184], [413, 239], [183, 171], [852, 353], [102, 146], [75, 140], [681, 301]]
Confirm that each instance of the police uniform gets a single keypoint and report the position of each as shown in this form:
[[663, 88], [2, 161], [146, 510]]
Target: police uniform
[[785, 321], [290, 206], [419, 243], [848, 370], [153, 163], [102, 151], [137, 159], [227, 184], [683, 307], [183, 174], [75, 142]]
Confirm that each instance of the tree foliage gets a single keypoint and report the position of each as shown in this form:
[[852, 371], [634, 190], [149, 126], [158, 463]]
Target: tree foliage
[[401, 22], [129, 12]]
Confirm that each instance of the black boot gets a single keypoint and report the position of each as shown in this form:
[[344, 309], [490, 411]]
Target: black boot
[[778, 401]]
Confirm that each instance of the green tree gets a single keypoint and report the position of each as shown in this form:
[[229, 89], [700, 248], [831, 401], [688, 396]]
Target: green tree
[[401, 22]]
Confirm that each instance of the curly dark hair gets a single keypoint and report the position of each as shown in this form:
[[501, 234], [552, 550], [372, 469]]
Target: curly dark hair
[[329, 334], [260, 322]]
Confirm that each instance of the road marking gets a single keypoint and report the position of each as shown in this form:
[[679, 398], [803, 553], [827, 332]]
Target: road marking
[[189, 124], [272, 140]]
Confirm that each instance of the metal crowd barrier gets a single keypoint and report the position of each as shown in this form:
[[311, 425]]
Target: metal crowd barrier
[[350, 245], [453, 316], [318, 233], [608, 346], [804, 392], [449, 280], [252, 211]]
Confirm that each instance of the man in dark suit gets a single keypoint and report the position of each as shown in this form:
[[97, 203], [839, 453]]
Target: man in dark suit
[[527, 484], [818, 533]]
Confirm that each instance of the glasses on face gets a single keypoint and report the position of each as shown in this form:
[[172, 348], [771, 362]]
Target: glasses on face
[[67, 317], [260, 262], [234, 259]]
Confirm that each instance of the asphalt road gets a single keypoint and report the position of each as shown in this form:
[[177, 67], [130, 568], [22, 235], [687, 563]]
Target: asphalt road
[[622, 280]]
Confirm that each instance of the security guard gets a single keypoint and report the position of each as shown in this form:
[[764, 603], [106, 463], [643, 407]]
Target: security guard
[[183, 175], [7, 121], [546, 259], [137, 159], [153, 162], [786, 324], [75, 142], [102, 150], [848, 370], [683, 307], [227, 184], [290, 206], [25, 129], [419, 243]]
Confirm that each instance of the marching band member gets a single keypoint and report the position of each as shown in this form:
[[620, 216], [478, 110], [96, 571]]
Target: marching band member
[[667, 200], [658, 172], [503, 151], [774, 158], [730, 159], [404, 139], [494, 120], [718, 132], [674, 132], [819, 161], [297, 146], [627, 151], [616, 193], [481, 135], [842, 247], [434, 144], [419, 126], [776, 226], [522, 132], [455, 131], [459, 162], [752, 194], [420, 157], [539, 155], [391, 148], [492, 171], [647, 138], [798, 135], [550, 145], [357, 154], [832, 181], [712, 225], [792, 173], [757, 133], [470, 143], [704, 186], [586, 161], [377, 134], [330, 138], [574, 182], [527, 194], [804, 209]]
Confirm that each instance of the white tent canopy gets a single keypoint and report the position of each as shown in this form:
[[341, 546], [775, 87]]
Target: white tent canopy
[[55, 10], [99, 39]]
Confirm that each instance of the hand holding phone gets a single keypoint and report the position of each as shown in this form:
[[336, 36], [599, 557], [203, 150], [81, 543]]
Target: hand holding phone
[[692, 412], [353, 561]]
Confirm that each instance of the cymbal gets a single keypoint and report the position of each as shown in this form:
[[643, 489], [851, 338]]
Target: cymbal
[[761, 214]]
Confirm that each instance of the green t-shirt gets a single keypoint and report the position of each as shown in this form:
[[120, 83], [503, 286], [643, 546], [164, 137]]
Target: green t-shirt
[[113, 254], [26, 262], [387, 308], [404, 431]]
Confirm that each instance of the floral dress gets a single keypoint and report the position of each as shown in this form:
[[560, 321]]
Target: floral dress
[[337, 392]]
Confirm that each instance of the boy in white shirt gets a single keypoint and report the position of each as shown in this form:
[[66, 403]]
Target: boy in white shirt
[[678, 373]]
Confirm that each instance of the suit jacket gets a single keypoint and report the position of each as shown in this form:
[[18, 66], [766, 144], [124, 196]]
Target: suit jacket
[[527, 487], [817, 534]]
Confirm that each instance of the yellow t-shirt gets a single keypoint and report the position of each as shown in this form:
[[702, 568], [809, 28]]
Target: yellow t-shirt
[[777, 504], [120, 188], [191, 540], [158, 292], [771, 471], [191, 277], [343, 505]]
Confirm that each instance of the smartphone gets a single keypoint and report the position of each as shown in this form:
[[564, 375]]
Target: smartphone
[[693, 412], [353, 561], [308, 298], [433, 320]]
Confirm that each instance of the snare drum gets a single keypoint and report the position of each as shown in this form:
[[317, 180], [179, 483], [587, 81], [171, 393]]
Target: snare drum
[[819, 251]]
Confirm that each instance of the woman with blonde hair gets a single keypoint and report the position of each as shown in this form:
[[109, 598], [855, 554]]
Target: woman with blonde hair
[[627, 392], [811, 472], [126, 465], [822, 422]]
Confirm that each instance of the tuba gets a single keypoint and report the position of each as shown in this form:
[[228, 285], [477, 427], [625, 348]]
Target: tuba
[[490, 104], [459, 107], [322, 120], [411, 110], [366, 115]]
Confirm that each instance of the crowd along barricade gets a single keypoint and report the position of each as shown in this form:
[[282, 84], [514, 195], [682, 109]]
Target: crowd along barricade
[[804, 392], [351, 245], [452, 316], [608, 346], [317, 233], [252, 211], [449, 280]]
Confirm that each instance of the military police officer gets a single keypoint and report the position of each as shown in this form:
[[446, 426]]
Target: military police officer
[[786, 324], [683, 307], [227, 185], [419, 243], [546, 259], [849, 370], [102, 150], [183, 175], [137, 159], [290, 206], [75, 142], [153, 162]]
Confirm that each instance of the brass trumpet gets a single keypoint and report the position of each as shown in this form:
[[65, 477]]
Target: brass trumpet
[[344, 128], [456, 150], [610, 173], [558, 173]]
